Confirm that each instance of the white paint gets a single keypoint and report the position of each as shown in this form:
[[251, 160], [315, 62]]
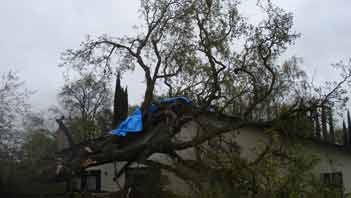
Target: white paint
[[107, 177], [332, 158], [251, 142]]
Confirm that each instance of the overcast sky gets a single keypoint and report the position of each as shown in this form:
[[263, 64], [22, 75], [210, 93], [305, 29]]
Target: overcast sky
[[34, 32]]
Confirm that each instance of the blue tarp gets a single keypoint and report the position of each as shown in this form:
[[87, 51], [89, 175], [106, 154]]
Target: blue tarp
[[171, 100], [134, 123], [153, 107]]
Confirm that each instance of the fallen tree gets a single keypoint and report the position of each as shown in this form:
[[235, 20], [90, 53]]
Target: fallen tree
[[209, 52]]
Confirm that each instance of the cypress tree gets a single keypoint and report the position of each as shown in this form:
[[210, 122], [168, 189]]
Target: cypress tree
[[116, 118], [120, 103], [331, 125], [317, 125], [324, 123], [312, 122], [311, 119], [126, 102]]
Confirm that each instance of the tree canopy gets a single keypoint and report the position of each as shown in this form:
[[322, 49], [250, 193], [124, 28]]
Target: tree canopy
[[13, 105], [209, 51]]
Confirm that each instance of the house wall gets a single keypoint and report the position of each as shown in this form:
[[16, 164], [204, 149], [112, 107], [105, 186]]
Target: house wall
[[107, 176], [251, 141], [173, 183], [332, 158]]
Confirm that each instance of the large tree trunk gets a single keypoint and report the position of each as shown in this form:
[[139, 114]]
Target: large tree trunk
[[156, 137], [148, 97]]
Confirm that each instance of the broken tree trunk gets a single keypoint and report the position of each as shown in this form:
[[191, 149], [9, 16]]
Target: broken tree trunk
[[157, 137]]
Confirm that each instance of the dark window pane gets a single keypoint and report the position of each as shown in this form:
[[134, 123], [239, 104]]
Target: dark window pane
[[91, 183]]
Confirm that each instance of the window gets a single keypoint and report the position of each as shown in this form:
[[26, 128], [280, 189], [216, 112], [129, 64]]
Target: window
[[333, 184], [91, 181], [333, 179]]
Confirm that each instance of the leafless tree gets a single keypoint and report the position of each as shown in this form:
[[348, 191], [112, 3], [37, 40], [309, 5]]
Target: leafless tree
[[13, 106]]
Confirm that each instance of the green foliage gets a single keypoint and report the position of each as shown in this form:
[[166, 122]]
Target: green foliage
[[38, 148], [26, 177], [210, 52], [84, 129], [18, 179], [278, 172], [294, 126]]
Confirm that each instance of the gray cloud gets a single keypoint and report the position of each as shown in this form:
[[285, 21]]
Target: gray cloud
[[35, 32], [325, 34]]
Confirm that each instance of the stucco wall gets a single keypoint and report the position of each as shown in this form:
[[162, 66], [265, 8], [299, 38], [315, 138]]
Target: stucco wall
[[250, 141], [107, 177], [332, 158], [253, 140]]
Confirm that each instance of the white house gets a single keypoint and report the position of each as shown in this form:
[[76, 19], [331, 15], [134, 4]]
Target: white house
[[334, 165]]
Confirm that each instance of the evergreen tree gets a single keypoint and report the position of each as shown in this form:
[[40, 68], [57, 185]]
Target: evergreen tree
[[120, 104], [324, 123], [317, 125], [125, 103], [331, 125]]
